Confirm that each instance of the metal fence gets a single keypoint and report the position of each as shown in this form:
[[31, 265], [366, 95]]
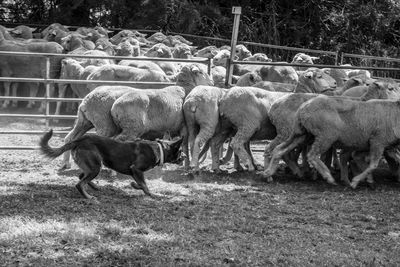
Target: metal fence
[[381, 67], [47, 81]]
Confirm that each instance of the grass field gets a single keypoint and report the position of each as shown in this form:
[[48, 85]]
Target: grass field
[[234, 219]]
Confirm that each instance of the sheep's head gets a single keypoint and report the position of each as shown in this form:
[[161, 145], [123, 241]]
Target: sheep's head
[[72, 41], [242, 52], [222, 57], [260, 57], [249, 79], [301, 58], [105, 45], [207, 52], [315, 80], [193, 75], [182, 51], [357, 81], [382, 89], [339, 75], [159, 50], [70, 68]]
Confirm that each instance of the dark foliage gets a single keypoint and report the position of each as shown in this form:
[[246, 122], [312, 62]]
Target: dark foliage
[[354, 26]]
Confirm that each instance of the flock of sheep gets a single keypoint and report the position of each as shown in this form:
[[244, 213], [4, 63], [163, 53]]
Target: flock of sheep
[[326, 115]]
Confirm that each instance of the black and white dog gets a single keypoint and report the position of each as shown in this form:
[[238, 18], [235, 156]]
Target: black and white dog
[[131, 158]]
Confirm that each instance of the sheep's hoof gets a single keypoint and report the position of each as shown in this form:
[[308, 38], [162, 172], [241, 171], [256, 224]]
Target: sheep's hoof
[[332, 182], [372, 186], [353, 185], [267, 176], [219, 171]]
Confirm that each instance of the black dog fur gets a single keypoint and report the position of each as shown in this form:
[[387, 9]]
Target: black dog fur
[[131, 158]]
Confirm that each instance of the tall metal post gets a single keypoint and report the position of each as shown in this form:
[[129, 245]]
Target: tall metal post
[[236, 10], [47, 90]]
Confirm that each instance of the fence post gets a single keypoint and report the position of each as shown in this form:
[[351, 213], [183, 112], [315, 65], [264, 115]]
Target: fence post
[[209, 67], [47, 90], [236, 10]]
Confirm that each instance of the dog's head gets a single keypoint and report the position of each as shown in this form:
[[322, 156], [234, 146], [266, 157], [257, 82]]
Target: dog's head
[[173, 151]]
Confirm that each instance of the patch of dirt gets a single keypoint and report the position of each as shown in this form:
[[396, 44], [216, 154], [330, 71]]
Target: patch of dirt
[[234, 219]]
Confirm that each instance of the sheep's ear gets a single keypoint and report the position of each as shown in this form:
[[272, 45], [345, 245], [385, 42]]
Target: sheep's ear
[[359, 80], [32, 29], [251, 77], [235, 57], [214, 52], [314, 58], [327, 71], [308, 74], [16, 31], [380, 84]]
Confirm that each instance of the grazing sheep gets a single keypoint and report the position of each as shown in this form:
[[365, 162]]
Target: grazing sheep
[[202, 117], [334, 121], [95, 109]]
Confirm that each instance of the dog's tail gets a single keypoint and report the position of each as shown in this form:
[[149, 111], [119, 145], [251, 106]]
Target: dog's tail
[[50, 151]]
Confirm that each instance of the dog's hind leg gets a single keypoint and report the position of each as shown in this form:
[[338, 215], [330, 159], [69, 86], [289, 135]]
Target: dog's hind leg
[[139, 182], [90, 183], [90, 164]]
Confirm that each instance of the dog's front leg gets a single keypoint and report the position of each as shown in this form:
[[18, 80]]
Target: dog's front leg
[[139, 182]]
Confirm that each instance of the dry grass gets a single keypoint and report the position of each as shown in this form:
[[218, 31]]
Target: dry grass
[[209, 220]]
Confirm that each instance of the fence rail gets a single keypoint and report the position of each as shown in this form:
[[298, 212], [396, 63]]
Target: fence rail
[[47, 81]]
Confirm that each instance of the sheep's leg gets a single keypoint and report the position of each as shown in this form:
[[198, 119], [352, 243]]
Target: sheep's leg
[[291, 163], [42, 107], [33, 92], [62, 88], [269, 148], [278, 153], [317, 148], [361, 161], [238, 142], [203, 136], [393, 160], [14, 87], [7, 86], [228, 154], [375, 153], [185, 146], [344, 158], [216, 142], [248, 150]]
